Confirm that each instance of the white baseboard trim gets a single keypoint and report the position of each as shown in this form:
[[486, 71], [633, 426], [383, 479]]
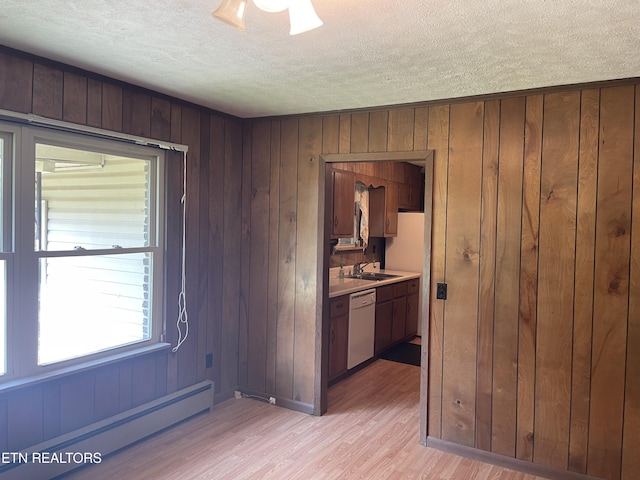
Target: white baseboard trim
[[92, 443]]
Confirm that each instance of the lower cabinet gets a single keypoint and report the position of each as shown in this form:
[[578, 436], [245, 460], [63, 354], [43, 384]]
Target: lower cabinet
[[413, 307], [338, 336], [384, 318], [399, 320], [396, 320], [396, 313]]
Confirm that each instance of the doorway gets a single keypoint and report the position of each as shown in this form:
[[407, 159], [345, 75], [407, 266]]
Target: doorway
[[425, 156]]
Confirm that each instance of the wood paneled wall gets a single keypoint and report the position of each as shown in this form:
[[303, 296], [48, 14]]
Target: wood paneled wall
[[214, 176], [281, 254], [535, 353]]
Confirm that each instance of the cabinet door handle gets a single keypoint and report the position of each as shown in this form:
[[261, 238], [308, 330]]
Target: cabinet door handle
[[335, 222]]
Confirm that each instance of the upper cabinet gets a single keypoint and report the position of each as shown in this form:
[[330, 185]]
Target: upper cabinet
[[392, 186], [383, 211], [410, 198], [410, 186], [344, 185]]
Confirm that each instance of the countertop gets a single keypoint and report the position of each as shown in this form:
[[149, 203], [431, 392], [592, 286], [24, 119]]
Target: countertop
[[344, 286]]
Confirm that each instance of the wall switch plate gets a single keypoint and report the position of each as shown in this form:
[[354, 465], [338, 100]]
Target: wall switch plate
[[441, 291], [209, 360]]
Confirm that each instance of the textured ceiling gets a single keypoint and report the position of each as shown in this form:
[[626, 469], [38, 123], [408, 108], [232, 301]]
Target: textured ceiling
[[368, 53]]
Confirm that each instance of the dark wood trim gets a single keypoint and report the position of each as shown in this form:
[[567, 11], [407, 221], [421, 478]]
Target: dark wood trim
[[506, 462], [485, 97], [67, 68], [324, 312], [280, 402], [416, 155], [426, 298], [296, 406]]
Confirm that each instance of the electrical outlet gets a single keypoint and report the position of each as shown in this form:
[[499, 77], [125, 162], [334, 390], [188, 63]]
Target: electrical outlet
[[441, 291], [237, 394], [209, 360], [272, 400]]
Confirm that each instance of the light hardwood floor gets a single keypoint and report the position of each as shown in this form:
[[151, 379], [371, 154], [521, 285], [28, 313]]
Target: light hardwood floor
[[370, 432]]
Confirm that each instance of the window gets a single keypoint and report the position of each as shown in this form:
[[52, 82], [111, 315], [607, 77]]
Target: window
[[5, 238], [86, 249], [360, 237]]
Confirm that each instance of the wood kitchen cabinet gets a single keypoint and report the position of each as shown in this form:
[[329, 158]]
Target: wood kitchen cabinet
[[338, 336], [404, 196], [410, 197], [413, 307], [396, 320], [383, 210], [344, 186], [410, 186], [384, 318], [398, 323], [396, 313]]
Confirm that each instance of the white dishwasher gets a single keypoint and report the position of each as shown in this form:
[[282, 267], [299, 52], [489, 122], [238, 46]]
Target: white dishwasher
[[362, 319]]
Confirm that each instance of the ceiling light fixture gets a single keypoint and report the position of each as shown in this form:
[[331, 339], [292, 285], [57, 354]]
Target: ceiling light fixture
[[302, 16]]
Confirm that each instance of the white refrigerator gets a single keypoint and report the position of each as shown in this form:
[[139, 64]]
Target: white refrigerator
[[406, 251]]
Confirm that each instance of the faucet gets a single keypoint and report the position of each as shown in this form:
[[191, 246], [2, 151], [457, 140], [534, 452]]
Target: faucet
[[358, 268]]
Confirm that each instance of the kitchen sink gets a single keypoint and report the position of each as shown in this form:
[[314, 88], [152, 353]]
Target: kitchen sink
[[374, 276]]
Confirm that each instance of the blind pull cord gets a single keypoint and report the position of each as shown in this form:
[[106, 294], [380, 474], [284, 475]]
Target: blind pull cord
[[183, 318]]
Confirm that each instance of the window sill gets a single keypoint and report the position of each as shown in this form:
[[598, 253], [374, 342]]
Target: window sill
[[347, 248], [50, 375]]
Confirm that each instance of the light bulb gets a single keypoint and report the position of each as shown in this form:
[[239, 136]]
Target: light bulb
[[272, 6]]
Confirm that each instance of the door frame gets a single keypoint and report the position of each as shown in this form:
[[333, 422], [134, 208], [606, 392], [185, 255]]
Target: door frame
[[325, 228]]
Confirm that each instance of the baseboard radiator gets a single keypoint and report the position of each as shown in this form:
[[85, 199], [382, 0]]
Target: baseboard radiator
[[92, 443]]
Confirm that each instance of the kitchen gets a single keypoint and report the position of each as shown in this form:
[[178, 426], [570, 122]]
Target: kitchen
[[375, 264]]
